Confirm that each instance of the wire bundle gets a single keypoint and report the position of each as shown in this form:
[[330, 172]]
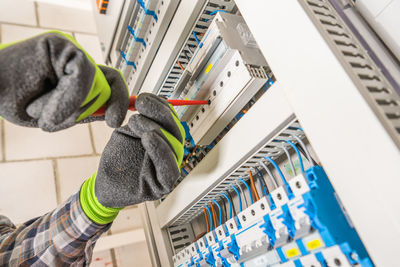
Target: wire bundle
[[253, 193]]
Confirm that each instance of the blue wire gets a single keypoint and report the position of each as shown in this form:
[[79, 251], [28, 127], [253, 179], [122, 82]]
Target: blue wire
[[230, 205], [137, 39], [195, 37], [185, 171], [240, 198], [298, 154], [220, 213], [211, 220], [278, 169], [216, 11], [130, 63], [262, 185], [147, 11], [297, 128], [248, 188]]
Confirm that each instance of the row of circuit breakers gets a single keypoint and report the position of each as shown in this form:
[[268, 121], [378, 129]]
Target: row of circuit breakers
[[300, 221]]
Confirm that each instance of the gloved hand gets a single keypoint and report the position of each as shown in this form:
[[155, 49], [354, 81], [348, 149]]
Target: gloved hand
[[141, 161], [50, 82]]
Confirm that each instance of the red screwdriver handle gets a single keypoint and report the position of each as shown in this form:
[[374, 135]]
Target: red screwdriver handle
[[175, 102]]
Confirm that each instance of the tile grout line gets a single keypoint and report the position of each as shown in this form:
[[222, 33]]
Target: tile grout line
[[44, 28], [3, 141], [56, 181], [54, 158], [92, 138], [37, 14], [112, 251], [113, 257]]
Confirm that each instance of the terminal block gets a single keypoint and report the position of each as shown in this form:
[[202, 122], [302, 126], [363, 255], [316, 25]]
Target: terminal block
[[306, 226], [227, 69]]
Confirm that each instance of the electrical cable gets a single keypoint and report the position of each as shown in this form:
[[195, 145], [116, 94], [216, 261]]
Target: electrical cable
[[213, 214], [270, 174], [278, 169], [230, 205], [225, 213], [290, 159], [207, 222], [195, 37], [211, 219], [298, 154], [260, 174], [180, 65], [305, 149], [261, 184], [189, 49], [233, 206], [137, 39], [216, 11], [220, 212], [244, 196], [304, 153], [248, 188], [147, 11], [253, 186], [199, 236], [127, 62], [240, 198]]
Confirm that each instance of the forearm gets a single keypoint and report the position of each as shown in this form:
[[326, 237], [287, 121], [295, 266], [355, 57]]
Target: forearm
[[63, 236]]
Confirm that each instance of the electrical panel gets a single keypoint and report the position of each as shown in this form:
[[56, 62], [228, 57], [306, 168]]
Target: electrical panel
[[294, 161]]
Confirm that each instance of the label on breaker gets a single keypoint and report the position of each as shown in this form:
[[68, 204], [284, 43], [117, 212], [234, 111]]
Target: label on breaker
[[313, 242]]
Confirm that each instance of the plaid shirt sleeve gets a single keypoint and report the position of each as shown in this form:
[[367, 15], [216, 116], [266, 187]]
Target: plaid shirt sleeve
[[63, 237]]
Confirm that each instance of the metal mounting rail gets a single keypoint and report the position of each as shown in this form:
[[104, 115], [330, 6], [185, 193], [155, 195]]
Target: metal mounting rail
[[190, 45]]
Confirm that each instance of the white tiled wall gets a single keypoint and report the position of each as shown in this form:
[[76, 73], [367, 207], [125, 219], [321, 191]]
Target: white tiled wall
[[101, 135], [133, 255], [27, 189], [42, 169], [30, 143], [18, 11], [72, 172], [64, 18], [101, 259], [91, 43]]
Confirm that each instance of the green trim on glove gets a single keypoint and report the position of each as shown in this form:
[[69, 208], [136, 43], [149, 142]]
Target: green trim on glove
[[100, 90], [91, 205], [177, 145], [100, 87], [119, 71]]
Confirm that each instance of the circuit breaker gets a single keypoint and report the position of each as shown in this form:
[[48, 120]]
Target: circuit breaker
[[294, 162]]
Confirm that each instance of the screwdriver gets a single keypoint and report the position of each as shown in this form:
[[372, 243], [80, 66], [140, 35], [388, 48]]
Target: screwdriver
[[175, 102]]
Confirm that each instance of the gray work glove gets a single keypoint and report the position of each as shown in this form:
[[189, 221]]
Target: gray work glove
[[141, 161], [50, 82]]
